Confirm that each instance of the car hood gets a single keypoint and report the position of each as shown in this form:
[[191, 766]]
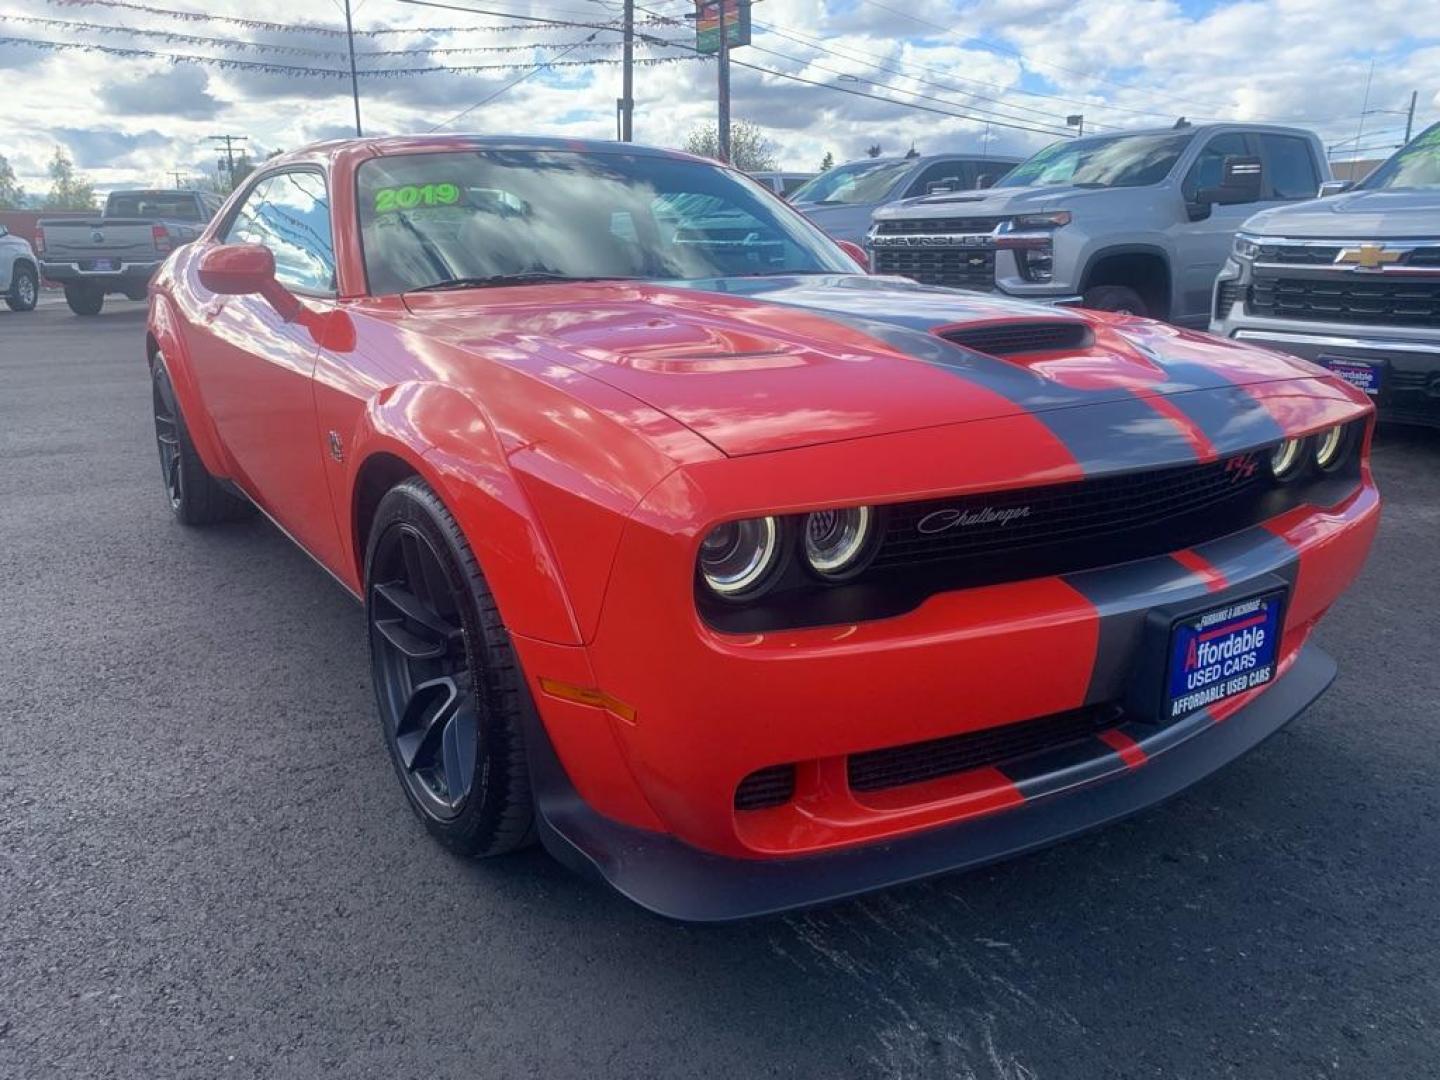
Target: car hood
[[755, 365], [1361, 215], [993, 202]]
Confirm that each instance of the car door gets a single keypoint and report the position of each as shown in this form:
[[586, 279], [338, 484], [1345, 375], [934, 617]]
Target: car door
[[255, 369], [1205, 233]]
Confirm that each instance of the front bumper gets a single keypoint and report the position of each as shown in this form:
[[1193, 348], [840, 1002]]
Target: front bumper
[[1407, 358], [672, 879]]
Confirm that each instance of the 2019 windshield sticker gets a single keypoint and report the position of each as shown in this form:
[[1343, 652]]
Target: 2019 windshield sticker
[[388, 200]]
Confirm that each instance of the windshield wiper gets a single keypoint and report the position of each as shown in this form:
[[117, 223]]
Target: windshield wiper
[[528, 277]]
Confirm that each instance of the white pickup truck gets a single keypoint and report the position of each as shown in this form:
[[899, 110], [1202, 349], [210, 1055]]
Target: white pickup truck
[[118, 251]]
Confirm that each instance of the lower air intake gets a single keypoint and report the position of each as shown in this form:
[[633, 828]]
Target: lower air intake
[[763, 788]]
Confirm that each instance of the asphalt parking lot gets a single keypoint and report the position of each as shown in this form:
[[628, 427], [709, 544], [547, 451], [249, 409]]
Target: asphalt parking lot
[[207, 868]]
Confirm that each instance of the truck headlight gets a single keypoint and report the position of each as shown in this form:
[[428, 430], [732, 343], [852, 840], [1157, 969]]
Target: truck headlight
[[1245, 248], [1032, 238]]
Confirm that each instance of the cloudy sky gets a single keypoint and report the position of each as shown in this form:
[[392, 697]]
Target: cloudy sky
[[1002, 73]]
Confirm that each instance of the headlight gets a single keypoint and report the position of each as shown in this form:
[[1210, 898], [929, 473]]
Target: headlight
[[837, 542], [1043, 221], [1245, 247], [1286, 458], [737, 558], [1330, 447]]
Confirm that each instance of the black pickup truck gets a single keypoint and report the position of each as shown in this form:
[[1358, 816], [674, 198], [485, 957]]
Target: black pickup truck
[[118, 251]]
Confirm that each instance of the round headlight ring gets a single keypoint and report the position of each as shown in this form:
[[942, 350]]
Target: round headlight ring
[[838, 541], [1330, 447], [738, 557], [1286, 458]]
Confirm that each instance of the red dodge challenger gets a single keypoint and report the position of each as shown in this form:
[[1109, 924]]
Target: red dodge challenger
[[739, 577]]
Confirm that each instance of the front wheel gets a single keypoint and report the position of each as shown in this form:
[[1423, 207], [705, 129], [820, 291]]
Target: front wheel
[[24, 290], [1120, 299], [446, 681], [85, 299]]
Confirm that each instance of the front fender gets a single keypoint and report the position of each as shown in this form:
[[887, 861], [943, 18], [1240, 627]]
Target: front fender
[[442, 435]]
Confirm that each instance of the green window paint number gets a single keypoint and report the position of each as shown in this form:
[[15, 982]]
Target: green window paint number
[[390, 199]]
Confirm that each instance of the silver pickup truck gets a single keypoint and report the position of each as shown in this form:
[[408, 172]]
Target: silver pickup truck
[[119, 250], [1134, 221], [1351, 281]]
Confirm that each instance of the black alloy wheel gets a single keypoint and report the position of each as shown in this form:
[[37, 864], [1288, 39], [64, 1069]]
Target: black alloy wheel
[[446, 682], [167, 437], [195, 497]]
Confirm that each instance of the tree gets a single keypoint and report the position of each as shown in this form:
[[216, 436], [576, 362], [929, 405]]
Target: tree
[[69, 190], [12, 195], [873, 150], [827, 162], [221, 182], [750, 150]]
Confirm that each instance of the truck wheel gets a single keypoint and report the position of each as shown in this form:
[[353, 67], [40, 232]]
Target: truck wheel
[[1116, 298], [137, 294], [24, 290], [84, 299]]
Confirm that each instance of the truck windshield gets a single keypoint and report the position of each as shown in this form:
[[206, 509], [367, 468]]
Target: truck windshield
[[470, 219], [169, 205], [1415, 168], [857, 183], [1104, 161]]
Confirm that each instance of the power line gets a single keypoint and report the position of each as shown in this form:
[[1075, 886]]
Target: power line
[[513, 83]]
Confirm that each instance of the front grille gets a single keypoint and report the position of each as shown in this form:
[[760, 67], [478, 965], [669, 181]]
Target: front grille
[[1298, 254], [772, 786], [1353, 298], [914, 763], [1069, 517], [936, 226], [952, 268], [1010, 339], [1226, 296]]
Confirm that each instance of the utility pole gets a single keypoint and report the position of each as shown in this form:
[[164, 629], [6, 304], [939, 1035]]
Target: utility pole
[[1410, 115], [229, 141], [354, 78], [722, 135], [177, 174], [627, 79]]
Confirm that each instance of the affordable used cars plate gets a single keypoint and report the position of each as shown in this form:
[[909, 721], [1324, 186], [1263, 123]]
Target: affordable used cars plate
[[1223, 652], [1358, 373]]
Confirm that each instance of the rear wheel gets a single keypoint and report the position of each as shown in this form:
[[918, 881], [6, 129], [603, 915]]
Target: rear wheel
[[446, 681], [24, 290], [85, 299], [195, 497], [1117, 298]]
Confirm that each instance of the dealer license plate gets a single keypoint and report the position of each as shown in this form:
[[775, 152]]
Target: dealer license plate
[[1223, 652], [1357, 373]]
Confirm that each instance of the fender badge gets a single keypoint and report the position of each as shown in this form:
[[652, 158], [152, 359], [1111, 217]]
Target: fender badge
[[337, 447]]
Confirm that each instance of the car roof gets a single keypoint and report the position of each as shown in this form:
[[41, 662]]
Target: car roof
[[1245, 125]]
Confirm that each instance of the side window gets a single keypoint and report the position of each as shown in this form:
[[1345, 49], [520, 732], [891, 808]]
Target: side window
[[1289, 167], [790, 183], [289, 213], [1209, 167], [955, 175]]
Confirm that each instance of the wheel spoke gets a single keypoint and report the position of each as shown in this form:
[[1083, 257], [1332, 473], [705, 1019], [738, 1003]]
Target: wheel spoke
[[423, 723], [458, 751]]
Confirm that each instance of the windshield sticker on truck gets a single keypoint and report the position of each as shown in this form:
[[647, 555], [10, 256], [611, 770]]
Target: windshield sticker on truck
[[388, 200]]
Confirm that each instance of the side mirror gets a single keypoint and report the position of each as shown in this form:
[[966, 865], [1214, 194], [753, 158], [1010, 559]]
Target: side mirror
[[247, 270], [856, 252], [1240, 182], [1334, 187]]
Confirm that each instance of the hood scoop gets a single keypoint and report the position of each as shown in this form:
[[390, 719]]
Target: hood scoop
[[1019, 338]]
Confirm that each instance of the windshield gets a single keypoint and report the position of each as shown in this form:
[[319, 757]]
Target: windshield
[[1416, 167], [172, 206], [1108, 161], [856, 183], [477, 216]]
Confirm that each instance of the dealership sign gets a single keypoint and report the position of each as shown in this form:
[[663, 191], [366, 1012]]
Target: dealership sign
[[708, 17]]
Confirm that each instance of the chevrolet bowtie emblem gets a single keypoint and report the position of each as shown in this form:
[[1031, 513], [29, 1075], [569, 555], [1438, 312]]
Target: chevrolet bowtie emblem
[[1368, 256]]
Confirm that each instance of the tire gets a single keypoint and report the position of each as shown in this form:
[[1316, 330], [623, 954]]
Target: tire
[[131, 294], [1117, 298], [24, 290], [84, 299], [447, 686], [195, 497]]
